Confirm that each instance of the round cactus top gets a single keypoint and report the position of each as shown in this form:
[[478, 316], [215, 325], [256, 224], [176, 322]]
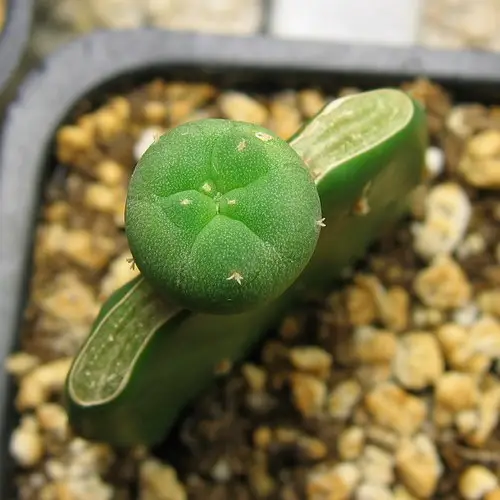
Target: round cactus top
[[221, 215]]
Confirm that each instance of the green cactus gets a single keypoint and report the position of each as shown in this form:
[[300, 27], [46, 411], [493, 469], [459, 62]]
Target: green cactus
[[221, 215], [366, 153]]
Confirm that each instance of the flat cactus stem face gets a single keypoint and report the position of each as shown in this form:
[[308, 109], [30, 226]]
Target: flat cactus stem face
[[221, 215], [119, 335], [363, 189], [350, 126]]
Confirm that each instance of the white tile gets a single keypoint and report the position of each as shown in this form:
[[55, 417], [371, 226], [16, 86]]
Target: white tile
[[376, 21]]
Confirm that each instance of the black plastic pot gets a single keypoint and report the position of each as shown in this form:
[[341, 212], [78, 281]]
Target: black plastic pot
[[106, 62], [14, 36]]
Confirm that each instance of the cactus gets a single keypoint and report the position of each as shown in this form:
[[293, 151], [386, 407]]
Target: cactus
[[366, 154], [221, 216]]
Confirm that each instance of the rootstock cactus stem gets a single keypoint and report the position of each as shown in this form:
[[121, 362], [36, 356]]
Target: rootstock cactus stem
[[221, 215]]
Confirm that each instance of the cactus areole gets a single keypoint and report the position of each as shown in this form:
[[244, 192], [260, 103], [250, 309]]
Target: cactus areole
[[221, 215]]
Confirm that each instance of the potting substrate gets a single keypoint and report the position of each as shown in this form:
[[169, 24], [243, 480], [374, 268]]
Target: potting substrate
[[388, 388]]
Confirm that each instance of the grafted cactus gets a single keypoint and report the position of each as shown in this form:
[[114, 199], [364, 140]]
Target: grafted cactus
[[148, 356], [221, 215]]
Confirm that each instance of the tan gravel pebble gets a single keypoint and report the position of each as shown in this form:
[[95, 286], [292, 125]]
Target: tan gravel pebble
[[336, 482], [418, 465], [80, 489], [458, 349], [443, 284], [108, 123], [255, 376], [368, 301], [309, 394], [489, 302], [361, 305], [351, 442], [89, 250], [106, 199], [370, 375], [311, 359], [238, 106], [110, 172], [262, 437], [343, 398], [401, 493], [261, 483], [312, 448], [52, 417], [488, 415], [376, 466], [70, 299], [155, 112], [392, 407], [382, 436], [466, 421], [36, 387], [480, 164], [20, 363], [476, 481], [484, 337], [372, 345], [396, 309], [462, 119], [159, 482], [310, 102], [73, 141], [457, 391], [418, 362], [285, 118]]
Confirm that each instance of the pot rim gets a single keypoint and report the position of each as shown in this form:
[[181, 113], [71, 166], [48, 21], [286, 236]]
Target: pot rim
[[14, 37]]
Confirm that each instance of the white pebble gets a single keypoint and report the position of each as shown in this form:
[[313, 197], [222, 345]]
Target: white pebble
[[447, 214], [473, 244], [367, 491], [434, 161], [221, 471], [26, 444], [466, 315], [148, 136]]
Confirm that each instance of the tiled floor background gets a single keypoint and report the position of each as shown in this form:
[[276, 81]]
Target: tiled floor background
[[438, 23]]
